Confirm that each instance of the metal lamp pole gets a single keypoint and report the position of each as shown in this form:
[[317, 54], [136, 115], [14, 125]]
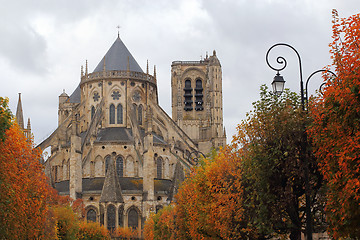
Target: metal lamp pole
[[278, 87]]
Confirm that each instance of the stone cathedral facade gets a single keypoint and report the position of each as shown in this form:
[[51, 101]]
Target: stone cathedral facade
[[118, 150]]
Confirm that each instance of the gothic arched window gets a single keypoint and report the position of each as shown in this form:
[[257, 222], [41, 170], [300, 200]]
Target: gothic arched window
[[102, 213], [111, 215], [91, 215], [92, 112], [133, 218], [120, 166], [199, 95], [188, 96], [140, 116], [112, 114], [119, 114], [121, 216], [92, 169], [107, 159], [159, 163]]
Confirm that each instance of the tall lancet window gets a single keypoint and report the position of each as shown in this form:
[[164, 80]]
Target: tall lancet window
[[133, 219], [120, 166], [188, 96], [159, 165], [199, 96], [140, 115], [111, 216], [112, 114], [119, 114], [91, 215], [92, 112], [107, 160]]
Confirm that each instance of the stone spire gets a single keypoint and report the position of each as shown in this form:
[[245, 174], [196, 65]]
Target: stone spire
[[19, 114], [111, 191], [147, 66], [27, 131]]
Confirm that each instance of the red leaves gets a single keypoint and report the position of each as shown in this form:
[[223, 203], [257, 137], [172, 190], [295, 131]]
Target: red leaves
[[336, 129], [24, 188]]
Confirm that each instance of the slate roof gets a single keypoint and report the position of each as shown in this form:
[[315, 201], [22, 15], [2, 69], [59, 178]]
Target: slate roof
[[126, 184], [115, 134], [122, 134], [117, 58], [62, 187], [75, 96], [111, 191]]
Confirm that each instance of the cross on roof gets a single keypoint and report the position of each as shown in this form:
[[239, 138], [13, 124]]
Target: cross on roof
[[118, 27]]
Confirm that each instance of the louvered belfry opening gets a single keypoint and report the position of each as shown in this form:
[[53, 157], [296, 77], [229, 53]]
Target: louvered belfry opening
[[199, 95], [188, 96]]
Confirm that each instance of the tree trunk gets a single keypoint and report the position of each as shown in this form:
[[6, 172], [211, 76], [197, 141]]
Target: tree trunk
[[295, 234]]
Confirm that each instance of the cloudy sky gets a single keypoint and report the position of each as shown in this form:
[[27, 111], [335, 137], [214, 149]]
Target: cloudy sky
[[43, 44]]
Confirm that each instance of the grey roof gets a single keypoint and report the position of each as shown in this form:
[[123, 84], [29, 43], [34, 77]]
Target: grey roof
[[93, 184], [117, 134], [122, 134], [75, 96], [117, 59], [62, 187], [162, 185], [126, 184], [111, 191]]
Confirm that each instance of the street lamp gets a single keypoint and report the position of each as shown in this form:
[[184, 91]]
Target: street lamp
[[194, 157], [278, 86]]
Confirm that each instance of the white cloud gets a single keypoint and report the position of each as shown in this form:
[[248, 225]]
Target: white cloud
[[44, 43]]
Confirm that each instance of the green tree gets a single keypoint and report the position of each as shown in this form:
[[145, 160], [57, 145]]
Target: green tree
[[272, 139], [67, 222], [5, 117]]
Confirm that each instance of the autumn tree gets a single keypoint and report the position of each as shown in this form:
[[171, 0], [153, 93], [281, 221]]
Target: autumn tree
[[92, 231], [24, 189], [272, 140], [209, 204], [335, 131]]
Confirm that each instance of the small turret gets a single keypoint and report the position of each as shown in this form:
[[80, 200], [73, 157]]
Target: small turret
[[155, 72], [63, 97], [19, 114], [214, 61]]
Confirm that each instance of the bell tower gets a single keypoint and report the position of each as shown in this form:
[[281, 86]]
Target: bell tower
[[197, 101]]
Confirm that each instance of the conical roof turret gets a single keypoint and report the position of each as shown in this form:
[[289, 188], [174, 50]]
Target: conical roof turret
[[111, 191], [117, 58], [19, 113]]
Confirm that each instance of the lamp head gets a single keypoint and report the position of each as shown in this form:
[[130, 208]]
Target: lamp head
[[278, 84]]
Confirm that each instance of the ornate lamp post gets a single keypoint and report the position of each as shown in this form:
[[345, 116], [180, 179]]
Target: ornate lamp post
[[278, 87], [194, 157]]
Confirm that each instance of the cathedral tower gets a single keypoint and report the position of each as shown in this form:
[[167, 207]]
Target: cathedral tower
[[197, 101]]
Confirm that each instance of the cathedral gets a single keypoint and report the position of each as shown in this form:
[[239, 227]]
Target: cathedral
[[118, 150]]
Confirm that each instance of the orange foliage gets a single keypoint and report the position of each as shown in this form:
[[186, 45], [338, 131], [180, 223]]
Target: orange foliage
[[336, 130], [24, 189], [125, 233], [92, 231], [149, 228], [67, 222], [210, 202]]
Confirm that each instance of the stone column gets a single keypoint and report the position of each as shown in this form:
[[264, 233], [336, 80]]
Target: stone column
[[75, 184]]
